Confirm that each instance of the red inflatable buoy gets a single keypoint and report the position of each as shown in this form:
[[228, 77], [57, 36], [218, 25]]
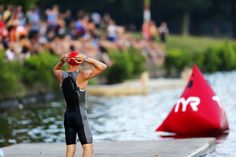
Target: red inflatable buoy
[[198, 110]]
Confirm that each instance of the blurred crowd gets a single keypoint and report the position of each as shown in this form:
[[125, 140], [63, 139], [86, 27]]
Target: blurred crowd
[[23, 34]]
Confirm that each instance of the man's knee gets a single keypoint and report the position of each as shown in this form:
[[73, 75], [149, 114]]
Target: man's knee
[[88, 148], [71, 148]]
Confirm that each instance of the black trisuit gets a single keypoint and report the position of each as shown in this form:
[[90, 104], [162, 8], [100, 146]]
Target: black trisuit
[[75, 117]]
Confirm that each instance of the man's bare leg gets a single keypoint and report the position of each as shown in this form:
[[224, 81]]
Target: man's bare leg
[[70, 150], [87, 150]]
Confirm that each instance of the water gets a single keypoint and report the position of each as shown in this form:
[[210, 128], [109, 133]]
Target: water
[[1, 153], [115, 118]]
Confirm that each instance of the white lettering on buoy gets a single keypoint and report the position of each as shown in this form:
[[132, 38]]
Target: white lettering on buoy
[[216, 98], [192, 101]]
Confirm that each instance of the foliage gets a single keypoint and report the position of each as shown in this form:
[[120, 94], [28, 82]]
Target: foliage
[[191, 44], [185, 5], [211, 59], [33, 76], [37, 72], [221, 57], [176, 61], [126, 65], [137, 60], [26, 4], [10, 78]]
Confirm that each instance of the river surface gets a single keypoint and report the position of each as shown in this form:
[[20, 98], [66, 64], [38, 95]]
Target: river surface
[[116, 118]]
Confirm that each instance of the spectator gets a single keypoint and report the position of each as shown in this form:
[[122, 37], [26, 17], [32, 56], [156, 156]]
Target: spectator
[[2, 26], [1, 10], [104, 22], [146, 30], [149, 30], [81, 24], [153, 31], [10, 54], [112, 31], [52, 15], [67, 18], [8, 13], [163, 31], [20, 15], [34, 19], [96, 18]]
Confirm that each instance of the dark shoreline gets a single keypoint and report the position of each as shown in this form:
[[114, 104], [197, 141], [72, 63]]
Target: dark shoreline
[[29, 99]]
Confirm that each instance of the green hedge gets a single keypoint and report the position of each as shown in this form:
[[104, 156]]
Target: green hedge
[[10, 78], [38, 74], [215, 58], [126, 65], [33, 76]]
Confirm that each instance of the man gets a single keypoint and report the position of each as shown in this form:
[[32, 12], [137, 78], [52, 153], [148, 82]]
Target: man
[[73, 84]]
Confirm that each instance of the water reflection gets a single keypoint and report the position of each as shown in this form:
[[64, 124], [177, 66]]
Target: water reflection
[[34, 123], [219, 136]]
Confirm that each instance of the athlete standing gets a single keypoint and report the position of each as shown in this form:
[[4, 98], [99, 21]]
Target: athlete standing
[[73, 84]]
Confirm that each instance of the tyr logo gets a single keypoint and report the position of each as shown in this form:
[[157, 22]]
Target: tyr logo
[[192, 101]]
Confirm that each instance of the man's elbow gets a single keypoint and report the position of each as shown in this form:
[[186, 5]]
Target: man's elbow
[[54, 70], [104, 67]]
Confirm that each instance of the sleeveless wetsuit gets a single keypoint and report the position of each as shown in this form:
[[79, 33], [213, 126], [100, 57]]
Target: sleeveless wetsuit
[[75, 117]]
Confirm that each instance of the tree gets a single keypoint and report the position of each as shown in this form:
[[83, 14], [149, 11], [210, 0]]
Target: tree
[[228, 7], [233, 16], [26, 4], [184, 7], [123, 11]]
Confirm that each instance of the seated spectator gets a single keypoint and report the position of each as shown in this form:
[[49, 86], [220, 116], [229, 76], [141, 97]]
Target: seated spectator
[[146, 30], [163, 31], [34, 19], [81, 24], [52, 15], [2, 27], [10, 54], [112, 31], [96, 18]]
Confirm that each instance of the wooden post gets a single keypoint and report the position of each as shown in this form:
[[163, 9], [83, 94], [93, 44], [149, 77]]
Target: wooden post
[[146, 11]]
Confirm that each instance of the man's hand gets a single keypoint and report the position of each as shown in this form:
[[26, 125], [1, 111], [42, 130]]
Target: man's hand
[[57, 70], [80, 58], [64, 58], [98, 67]]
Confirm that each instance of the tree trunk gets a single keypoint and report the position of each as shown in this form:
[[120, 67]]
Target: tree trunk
[[185, 23], [146, 11], [233, 18]]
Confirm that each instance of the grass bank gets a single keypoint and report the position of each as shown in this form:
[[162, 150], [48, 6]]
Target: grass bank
[[193, 43], [209, 54]]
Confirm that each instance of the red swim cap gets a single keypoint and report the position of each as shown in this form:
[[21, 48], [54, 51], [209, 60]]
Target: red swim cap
[[71, 58]]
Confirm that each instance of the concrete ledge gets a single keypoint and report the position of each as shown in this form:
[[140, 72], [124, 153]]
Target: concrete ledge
[[135, 87], [195, 147], [205, 149]]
